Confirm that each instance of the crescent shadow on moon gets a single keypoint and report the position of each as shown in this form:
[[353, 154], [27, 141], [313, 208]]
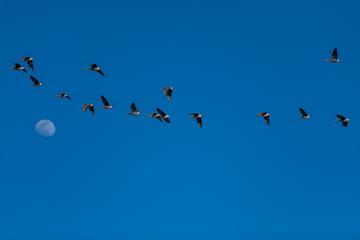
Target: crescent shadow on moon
[[45, 128]]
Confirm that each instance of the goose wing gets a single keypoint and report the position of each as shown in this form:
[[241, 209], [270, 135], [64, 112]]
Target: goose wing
[[160, 112], [92, 109], [106, 103], [303, 112], [158, 117], [99, 71], [85, 107], [267, 120], [342, 118], [334, 54], [34, 80], [165, 89], [31, 65], [168, 93], [133, 108], [199, 121], [167, 120]]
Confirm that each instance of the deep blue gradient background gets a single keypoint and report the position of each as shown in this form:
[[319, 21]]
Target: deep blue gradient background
[[112, 176]]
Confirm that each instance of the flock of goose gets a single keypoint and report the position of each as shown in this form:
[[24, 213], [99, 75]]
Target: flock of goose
[[344, 120], [160, 115]]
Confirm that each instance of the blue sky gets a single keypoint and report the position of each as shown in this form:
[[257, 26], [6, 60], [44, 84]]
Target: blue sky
[[112, 176]]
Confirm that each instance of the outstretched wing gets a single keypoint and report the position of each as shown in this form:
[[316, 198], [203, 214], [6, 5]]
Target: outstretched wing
[[160, 112], [303, 112], [85, 107], [345, 124], [167, 120], [17, 65], [165, 89], [34, 80], [267, 120], [93, 65], [99, 71], [334, 54], [133, 108], [341, 117], [31, 65], [106, 103], [199, 121], [92, 110]]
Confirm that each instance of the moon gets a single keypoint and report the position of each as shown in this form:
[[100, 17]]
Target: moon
[[45, 128]]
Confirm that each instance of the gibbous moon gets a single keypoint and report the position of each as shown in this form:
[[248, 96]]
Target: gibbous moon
[[45, 128]]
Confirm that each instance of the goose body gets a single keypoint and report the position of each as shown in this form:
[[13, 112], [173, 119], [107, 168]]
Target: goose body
[[35, 83], [304, 114], [266, 116], [198, 118], [134, 110], [155, 115], [29, 61], [63, 95], [106, 103], [334, 57], [342, 119], [167, 92], [18, 67], [163, 115], [95, 68], [90, 107]]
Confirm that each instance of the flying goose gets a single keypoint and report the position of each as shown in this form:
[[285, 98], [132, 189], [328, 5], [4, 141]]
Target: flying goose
[[94, 67], [266, 116], [334, 57], [342, 119], [90, 107], [155, 115], [63, 95], [29, 60], [198, 118], [304, 114], [134, 111], [167, 92], [36, 82], [163, 115], [18, 67], [106, 103]]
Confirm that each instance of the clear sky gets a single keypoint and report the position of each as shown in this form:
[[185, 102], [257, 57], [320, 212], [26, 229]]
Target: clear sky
[[113, 176]]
